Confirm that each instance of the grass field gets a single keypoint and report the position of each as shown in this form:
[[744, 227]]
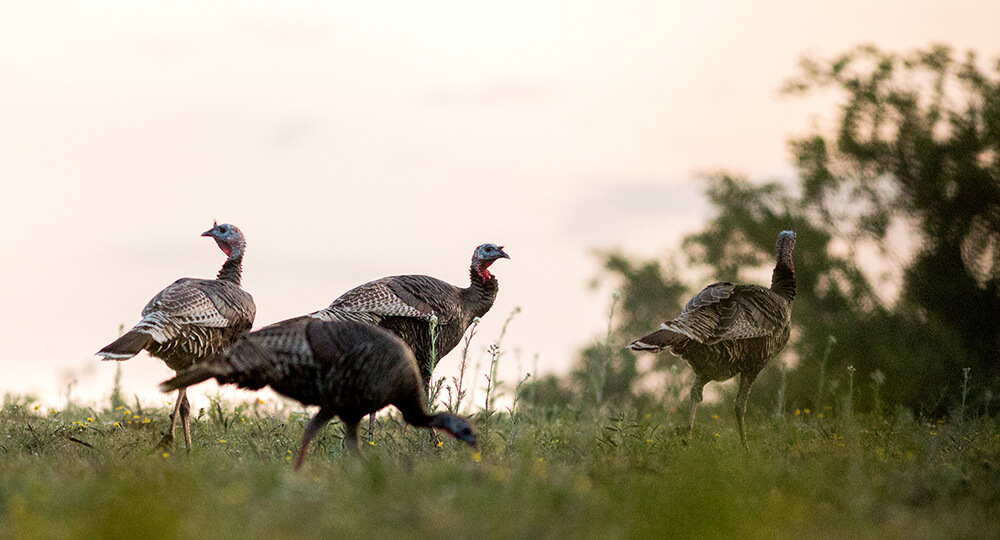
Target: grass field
[[84, 473]]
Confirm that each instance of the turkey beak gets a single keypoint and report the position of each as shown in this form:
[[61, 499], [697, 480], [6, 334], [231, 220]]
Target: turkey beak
[[502, 254], [210, 231]]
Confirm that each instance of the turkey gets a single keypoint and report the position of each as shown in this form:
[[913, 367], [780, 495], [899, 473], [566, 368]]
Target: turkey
[[348, 369], [192, 319], [729, 329], [405, 305]]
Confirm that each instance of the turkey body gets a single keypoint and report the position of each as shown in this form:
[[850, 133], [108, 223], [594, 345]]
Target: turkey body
[[415, 306], [192, 319], [347, 369], [728, 330]]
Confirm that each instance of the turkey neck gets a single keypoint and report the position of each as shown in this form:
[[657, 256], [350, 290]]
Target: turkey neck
[[480, 294], [415, 415], [232, 269], [783, 277]]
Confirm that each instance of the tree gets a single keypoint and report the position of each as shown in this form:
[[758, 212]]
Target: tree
[[917, 147], [915, 154]]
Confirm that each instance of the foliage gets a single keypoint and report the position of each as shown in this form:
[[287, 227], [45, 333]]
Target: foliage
[[916, 155], [917, 148]]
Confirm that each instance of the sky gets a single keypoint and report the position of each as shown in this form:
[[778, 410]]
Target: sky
[[355, 140]]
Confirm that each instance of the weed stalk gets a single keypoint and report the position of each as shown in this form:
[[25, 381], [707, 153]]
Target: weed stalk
[[455, 400], [849, 406], [831, 340]]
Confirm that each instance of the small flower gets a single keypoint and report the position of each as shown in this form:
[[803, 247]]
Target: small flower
[[223, 441], [372, 443], [650, 441], [715, 416], [797, 412], [120, 407], [440, 444], [716, 434], [166, 455], [90, 419], [820, 415], [135, 417], [805, 411], [477, 457], [36, 407], [117, 424]]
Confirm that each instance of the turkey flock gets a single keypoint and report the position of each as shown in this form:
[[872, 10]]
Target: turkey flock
[[378, 343]]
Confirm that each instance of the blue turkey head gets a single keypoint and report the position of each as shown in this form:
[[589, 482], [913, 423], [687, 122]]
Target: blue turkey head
[[484, 256], [489, 252], [228, 237]]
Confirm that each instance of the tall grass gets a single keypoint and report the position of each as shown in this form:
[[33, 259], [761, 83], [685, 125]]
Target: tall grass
[[87, 472]]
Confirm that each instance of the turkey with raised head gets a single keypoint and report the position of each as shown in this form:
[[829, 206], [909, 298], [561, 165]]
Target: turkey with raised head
[[729, 329], [192, 319], [406, 305], [348, 369]]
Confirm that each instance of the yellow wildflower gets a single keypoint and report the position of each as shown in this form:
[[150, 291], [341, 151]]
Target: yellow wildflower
[[477, 457]]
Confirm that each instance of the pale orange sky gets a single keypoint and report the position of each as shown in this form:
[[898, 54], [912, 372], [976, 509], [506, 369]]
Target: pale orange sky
[[354, 141]]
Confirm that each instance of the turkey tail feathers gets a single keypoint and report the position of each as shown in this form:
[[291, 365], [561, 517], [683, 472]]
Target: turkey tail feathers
[[127, 346], [188, 377], [657, 341]]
